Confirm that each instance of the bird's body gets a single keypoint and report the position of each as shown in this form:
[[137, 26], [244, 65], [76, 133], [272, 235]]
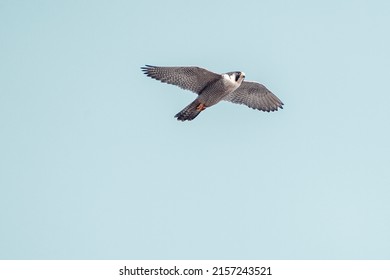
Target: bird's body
[[212, 88]]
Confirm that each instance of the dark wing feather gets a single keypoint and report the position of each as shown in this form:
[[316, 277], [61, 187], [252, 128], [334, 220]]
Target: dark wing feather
[[190, 78], [255, 96]]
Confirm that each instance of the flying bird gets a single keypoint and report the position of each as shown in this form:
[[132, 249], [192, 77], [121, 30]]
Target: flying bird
[[212, 88]]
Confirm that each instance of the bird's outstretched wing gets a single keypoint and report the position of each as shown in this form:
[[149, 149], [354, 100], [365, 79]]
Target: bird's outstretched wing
[[255, 96], [190, 78]]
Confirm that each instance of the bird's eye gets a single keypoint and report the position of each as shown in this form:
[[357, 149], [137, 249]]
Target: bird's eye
[[237, 76]]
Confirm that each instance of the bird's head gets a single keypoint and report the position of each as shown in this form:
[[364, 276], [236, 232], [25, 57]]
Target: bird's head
[[237, 76]]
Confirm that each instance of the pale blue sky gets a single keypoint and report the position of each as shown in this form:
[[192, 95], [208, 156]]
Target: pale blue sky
[[94, 166]]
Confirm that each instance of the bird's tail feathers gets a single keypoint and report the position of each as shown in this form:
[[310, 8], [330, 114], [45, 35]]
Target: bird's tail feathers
[[190, 112]]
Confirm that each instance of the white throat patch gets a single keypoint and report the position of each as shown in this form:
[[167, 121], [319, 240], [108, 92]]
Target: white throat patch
[[231, 81], [231, 78]]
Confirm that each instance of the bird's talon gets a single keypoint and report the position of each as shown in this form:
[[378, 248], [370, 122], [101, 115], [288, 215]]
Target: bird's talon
[[201, 107]]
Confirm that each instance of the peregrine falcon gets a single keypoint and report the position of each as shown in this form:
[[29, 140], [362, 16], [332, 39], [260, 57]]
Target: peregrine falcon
[[212, 88]]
